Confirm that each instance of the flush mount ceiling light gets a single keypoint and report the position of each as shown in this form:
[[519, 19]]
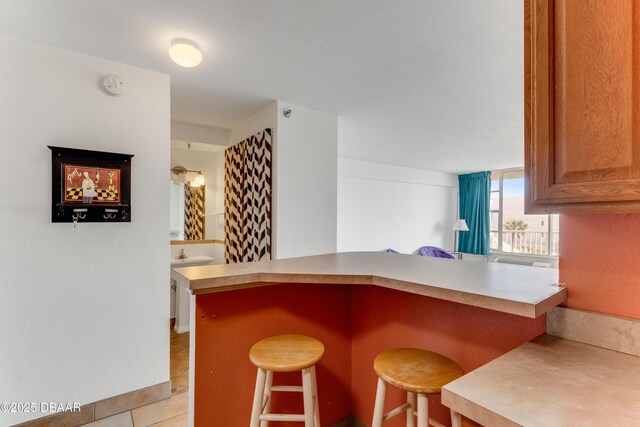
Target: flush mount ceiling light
[[185, 53]]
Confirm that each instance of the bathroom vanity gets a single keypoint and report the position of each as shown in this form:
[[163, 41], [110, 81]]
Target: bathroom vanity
[[180, 296]]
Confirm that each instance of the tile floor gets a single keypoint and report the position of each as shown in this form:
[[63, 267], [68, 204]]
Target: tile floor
[[171, 412], [179, 367]]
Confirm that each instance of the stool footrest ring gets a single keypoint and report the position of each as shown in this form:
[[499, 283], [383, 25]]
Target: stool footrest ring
[[282, 417], [399, 410], [434, 423], [294, 388]]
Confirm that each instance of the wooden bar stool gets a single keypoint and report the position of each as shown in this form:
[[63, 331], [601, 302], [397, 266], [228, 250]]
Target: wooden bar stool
[[418, 372], [286, 353]]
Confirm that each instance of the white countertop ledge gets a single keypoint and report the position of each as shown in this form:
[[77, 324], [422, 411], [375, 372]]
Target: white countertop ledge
[[515, 289]]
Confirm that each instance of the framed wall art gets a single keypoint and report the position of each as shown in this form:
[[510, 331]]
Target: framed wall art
[[90, 186]]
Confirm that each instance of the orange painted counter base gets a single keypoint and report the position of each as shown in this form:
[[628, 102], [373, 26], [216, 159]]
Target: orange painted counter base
[[354, 323]]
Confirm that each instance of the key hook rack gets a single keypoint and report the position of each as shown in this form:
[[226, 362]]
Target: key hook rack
[[90, 186]]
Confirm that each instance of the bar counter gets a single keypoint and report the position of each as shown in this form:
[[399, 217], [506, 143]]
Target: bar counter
[[526, 291], [358, 304]]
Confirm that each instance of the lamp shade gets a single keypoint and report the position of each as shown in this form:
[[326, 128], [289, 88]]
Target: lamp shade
[[460, 225], [198, 181], [179, 179]]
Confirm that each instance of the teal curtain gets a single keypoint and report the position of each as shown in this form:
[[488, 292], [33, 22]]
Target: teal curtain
[[475, 194]]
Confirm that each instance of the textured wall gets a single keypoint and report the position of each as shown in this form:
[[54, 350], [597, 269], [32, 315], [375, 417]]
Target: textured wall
[[600, 263], [85, 310]]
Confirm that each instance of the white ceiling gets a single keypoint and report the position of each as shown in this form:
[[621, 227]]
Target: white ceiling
[[432, 84]]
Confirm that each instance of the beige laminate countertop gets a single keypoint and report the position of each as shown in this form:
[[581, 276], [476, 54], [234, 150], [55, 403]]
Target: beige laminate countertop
[[551, 381], [525, 291]]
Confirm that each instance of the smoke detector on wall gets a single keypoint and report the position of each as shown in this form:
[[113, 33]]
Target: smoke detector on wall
[[114, 85]]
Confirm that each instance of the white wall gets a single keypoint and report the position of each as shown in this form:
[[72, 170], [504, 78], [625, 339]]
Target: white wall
[[383, 206], [202, 134], [304, 177], [306, 162], [85, 311], [208, 163]]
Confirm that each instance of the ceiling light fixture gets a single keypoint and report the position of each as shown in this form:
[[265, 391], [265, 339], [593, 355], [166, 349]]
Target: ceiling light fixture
[[185, 53]]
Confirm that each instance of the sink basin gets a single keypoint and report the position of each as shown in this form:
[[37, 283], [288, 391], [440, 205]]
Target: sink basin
[[194, 260]]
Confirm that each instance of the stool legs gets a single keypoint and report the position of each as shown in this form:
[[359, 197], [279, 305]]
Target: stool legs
[[378, 410], [316, 403], [257, 398], [307, 393], [411, 400], [266, 400], [262, 400], [423, 410], [417, 405]]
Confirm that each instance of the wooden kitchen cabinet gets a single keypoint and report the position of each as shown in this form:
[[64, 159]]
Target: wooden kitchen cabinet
[[582, 106]]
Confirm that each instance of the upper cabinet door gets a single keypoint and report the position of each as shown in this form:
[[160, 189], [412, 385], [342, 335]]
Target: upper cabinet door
[[582, 105]]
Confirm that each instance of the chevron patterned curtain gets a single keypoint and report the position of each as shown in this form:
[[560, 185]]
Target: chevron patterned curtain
[[193, 212], [248, 199]]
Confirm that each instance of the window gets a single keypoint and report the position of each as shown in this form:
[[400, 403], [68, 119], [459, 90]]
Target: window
[[512, 231]]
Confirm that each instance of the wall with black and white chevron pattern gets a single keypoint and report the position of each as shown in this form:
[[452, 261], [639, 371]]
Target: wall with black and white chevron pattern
[[193, 212], [248, 199]]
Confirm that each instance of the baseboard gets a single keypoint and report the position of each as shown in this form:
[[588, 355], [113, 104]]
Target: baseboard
[[180, 329], [105, 408]]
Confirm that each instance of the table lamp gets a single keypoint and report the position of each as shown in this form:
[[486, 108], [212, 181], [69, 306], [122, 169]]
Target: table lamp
[[460, 225]]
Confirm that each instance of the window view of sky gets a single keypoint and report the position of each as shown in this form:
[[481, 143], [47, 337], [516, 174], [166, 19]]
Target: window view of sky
[[513, 187], [521, 233]]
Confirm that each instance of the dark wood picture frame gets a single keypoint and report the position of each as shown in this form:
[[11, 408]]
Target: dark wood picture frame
[[112, 205]]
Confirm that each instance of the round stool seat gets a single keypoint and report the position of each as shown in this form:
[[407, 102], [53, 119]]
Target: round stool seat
[[415, 370], [286, 353]]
